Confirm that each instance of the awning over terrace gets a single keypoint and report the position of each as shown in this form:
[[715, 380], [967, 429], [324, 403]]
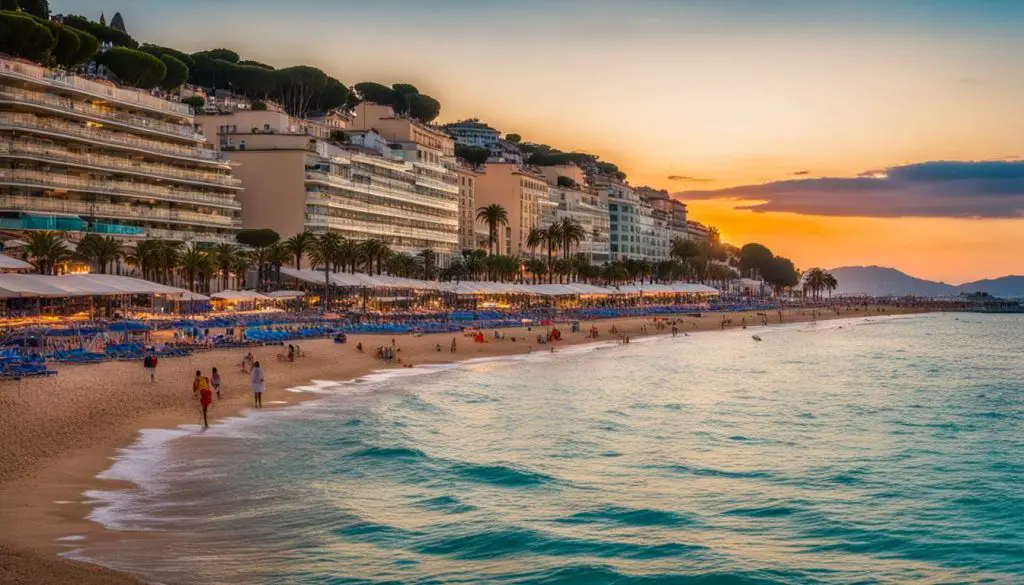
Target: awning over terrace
[[239, 295], [78, 285], [8, 263], [671, 288], [468, 287], [286, 294]]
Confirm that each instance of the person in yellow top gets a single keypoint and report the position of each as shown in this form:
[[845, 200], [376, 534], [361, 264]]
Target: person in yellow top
[[201, 391]]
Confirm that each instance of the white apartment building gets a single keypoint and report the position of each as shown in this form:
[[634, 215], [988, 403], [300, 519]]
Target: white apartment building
[[473, 133], [79, 156], [635, 234], [587, 210]]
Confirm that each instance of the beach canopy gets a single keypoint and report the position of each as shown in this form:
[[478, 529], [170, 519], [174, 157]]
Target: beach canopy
[[239, 295], [191, 296], [78, 285], [475, 288], [286, 294], [8, 263]]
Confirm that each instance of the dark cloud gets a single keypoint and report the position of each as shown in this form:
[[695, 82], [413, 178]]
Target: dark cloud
[[800, 173], [960, 189], [688, 178]]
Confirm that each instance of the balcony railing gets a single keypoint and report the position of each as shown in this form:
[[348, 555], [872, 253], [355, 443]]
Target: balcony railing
[[138, 213], [115, 164], [191, 236], [337, 202], [381, 229], [439, 185], [68, 224], [119, 188], [405, 196], [133, 97], [116, 139], [101, 114]]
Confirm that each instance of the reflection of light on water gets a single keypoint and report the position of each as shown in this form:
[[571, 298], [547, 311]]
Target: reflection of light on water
[[277, 402]]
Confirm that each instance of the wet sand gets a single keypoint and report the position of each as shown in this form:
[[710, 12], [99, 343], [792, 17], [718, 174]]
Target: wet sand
[[60, 432]]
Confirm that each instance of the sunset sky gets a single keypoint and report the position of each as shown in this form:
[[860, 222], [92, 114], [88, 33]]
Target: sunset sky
[[727, 102]]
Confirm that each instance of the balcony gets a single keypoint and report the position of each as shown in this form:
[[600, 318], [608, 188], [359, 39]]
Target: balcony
[[40, 152], [64, 81], [62, 128], [136, 213], [68, 224], [404, 196], [119, 188], [373, 229], [54, 103], [339, 202]]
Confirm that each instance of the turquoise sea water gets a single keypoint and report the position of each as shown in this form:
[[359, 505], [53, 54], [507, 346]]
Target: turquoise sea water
[[853, 452]]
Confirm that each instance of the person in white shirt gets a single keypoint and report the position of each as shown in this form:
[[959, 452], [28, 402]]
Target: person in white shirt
[[257, 384]]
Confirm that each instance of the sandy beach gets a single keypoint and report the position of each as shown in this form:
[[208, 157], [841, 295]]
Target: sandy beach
[[60, 432]]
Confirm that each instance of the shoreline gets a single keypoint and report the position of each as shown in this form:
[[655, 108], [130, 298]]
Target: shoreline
[[42, 499]]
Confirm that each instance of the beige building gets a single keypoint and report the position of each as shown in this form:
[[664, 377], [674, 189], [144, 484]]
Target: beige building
[[467, 178], [522, 193], [79, 156], [571, 171], [297, 178]]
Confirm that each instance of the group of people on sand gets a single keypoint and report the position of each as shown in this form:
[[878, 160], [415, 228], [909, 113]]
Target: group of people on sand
[[294, 352], [204, 388]]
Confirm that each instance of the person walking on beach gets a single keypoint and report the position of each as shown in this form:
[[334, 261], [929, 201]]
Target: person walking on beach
[[453, 345], [257, 384], [201, 390], [215, 382], [149, 363]]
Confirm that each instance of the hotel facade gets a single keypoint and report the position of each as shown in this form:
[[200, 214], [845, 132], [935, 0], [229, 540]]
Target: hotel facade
[[79, 156], [299, 176], [635, 233], [522, 193]]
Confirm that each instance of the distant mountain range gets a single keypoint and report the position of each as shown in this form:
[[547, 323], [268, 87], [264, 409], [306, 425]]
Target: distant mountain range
[[882, 281]]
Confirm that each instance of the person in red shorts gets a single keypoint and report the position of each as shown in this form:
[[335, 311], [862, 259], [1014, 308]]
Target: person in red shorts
[[201, 389]]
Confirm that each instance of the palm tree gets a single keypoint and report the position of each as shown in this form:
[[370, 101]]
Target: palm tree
[[144, 257], [688, 253], [572, 235], [553, 239], [347, 255], [429, 259], [323, 252], [194, 262], [493, 215], [277, 256], [580, 266], [475, 263], [45, 250], [374, 250], [814, 281], [298, 245], [260, 257], [403, 264], [168, 257], [536, 239], [99, 250], [536, 267], [830, 283], [224, 256], [240, 265]]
